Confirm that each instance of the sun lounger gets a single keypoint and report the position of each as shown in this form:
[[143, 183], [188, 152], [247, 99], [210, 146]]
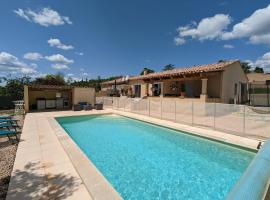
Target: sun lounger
[[9, 133], [10, 121], [6, 117], [8, 125]]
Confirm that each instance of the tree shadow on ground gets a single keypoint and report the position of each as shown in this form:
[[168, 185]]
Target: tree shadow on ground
[[31, 183]]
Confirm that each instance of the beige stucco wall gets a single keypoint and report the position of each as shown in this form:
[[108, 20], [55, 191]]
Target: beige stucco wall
[[232, 75], [83, 95], [214, 86]]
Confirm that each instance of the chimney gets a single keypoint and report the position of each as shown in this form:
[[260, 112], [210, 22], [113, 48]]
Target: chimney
[[145, 71]]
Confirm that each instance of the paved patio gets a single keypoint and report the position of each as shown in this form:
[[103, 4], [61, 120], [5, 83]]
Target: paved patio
[[49, 165]]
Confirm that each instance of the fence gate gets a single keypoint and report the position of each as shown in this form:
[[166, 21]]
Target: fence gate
[[259, 94]]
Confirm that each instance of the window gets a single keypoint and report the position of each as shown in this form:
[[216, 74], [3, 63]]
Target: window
[[137, 90], [156, 89]]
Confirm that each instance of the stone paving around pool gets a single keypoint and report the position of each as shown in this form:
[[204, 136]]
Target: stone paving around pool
[[49, 165]]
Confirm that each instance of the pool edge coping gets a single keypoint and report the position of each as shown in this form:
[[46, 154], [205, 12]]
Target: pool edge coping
[[92, 178], [52, 115]]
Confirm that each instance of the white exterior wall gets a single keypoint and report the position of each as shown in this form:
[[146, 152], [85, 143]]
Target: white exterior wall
[[232, 75]]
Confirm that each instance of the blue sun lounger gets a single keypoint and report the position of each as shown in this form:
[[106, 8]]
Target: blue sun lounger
[[6, 117], [9, 133], [10, 121]]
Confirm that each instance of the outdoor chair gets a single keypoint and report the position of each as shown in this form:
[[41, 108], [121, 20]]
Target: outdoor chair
[[87, 107], [77, 107], [99, 106]]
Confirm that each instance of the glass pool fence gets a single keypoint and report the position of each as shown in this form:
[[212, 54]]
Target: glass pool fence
[[247, 121]]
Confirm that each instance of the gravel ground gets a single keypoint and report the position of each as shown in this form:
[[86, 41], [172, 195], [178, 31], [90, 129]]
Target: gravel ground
[[7, 157]]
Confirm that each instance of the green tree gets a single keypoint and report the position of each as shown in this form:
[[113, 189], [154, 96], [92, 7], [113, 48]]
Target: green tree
[[51, 79], [246, 67], [15, 86], [258, 70], [148, 71], [168, 67]]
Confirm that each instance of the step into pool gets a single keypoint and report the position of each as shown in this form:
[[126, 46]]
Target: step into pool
[[146, 161]]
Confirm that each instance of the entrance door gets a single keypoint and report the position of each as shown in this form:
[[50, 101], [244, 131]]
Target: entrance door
[[137, 90]]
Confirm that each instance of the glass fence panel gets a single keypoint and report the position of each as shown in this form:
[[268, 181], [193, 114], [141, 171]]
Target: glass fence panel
[[168, 109], [257, 122], [115, 102], [229, 117], [184, 112], [155, 108], [203, 114], [143, 107]]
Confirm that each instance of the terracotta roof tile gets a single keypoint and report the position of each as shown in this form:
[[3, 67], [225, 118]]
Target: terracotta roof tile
[[220, 66], [214, 67]]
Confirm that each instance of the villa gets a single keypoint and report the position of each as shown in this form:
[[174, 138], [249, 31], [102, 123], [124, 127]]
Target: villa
[[223, 82]]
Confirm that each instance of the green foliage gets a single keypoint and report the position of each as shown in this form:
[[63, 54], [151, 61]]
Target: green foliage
[[51, 79], [258, 70], [246, 67], [14, 87], [168, 67], [149, 71], [95, 83]]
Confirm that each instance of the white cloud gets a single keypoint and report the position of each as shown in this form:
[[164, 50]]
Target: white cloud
[[11, 64], [33, 56], [82, 69], [59, 59], [45, 17], [59, 66], [79, 53], [85, 74], [228, 46], [70, 74], [256, 27], [54, 42], [179, 41], [263, 61], [207, 29]]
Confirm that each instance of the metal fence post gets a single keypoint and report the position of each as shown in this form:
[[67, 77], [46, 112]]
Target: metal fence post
[[175, 110], [244, 120], [148, 107], [160, 108], [215, 110], [192, 114]]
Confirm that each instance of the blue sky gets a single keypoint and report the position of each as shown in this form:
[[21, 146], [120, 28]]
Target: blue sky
[[87, 38]]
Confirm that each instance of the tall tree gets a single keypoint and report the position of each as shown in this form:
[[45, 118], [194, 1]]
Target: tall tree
[[258, 70], [148, 71], [51, 79], [246, 67], [168, 67], [15, 87]]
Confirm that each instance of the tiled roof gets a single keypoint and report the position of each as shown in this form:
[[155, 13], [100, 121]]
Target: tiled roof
[[181, 71], [118, 81], [258, 77], [220, 66], [58, 87]]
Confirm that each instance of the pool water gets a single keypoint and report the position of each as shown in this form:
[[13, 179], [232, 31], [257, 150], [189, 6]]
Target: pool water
[[146, 161]]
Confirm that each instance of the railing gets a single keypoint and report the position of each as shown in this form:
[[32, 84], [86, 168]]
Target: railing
[[235, 119]]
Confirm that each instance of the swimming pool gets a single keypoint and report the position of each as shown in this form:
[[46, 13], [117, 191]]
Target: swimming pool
[[146, 161]]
